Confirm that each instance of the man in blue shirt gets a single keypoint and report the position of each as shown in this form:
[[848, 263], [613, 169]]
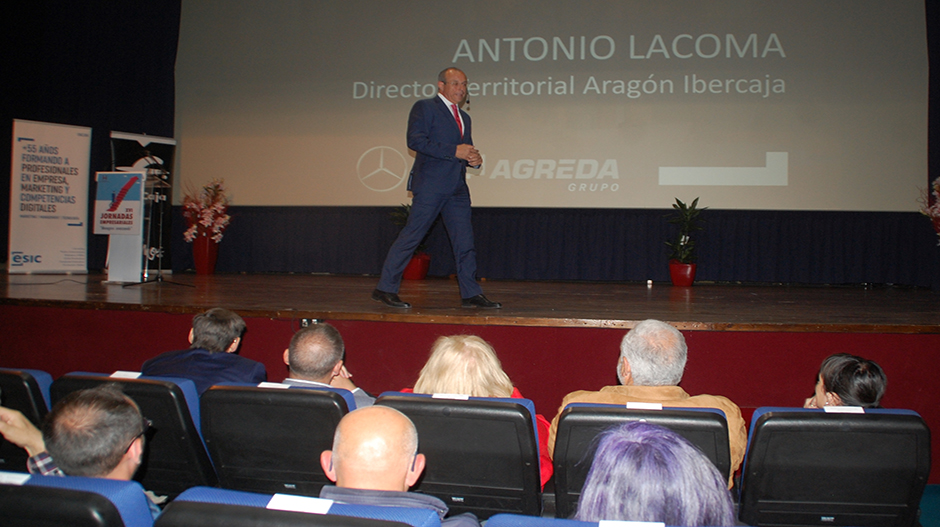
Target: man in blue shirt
[[212, 358]]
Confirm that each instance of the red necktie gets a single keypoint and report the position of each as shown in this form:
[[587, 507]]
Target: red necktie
[[457, 117]]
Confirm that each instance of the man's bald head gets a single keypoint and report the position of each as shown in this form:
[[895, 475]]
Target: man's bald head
[[374, 448]]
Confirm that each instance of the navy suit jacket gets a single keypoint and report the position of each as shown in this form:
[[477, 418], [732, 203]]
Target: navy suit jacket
[[434, 136], [205, 368]]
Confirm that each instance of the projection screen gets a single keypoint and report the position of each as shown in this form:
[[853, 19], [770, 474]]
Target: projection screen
[[793, 104]]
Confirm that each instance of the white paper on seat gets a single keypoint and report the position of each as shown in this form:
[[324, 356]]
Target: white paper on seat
[[843, 409], [454, 396], [292, 503], [125, 374], [644, 406], [13, 478], [273, 385], [612, 523]]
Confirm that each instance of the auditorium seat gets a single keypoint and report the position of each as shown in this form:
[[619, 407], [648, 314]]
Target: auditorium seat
[[404, 515], [818, 467], [580, 423], [482, 453], [518, 520], [176, 457], [267, 439], [74, 501], [196, 514], [28, 392]]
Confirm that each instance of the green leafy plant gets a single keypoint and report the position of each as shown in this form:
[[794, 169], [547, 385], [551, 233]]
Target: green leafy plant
[[399, 216], [686, 217]]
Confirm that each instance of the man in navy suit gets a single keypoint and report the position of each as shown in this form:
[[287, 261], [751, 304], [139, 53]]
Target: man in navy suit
[[439, 133], [211, 358]]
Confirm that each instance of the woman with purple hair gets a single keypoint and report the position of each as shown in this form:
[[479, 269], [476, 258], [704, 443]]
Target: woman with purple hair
[[644, 472]]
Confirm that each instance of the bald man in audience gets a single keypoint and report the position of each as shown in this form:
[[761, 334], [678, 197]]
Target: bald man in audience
[[375, 461], [652, 360], [315, 358]]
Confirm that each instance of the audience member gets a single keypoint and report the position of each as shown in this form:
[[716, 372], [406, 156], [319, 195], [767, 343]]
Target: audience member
[[643, 472], [315, 358], [848, 380], [98, 433], [652, 360], [211, 359], [468, 365], [375, 460]]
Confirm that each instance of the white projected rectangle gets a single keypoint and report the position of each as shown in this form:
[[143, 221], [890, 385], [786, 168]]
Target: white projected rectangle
[[773, 174], [796, 104]]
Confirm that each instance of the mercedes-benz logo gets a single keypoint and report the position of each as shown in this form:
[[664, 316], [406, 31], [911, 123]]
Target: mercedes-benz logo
[[382, 168]]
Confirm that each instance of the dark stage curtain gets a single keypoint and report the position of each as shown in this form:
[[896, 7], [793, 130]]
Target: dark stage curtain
[[592, 244], [108, 65]]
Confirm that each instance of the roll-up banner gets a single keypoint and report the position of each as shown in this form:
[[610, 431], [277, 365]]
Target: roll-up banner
[[49, 198]]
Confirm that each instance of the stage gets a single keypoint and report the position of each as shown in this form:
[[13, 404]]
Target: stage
[[757, 345], [711, 307]]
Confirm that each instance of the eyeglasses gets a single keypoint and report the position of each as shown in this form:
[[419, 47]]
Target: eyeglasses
[[145, 425]]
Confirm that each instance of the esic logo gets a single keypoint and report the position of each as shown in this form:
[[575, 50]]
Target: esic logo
[[382, 168], [17, 258]]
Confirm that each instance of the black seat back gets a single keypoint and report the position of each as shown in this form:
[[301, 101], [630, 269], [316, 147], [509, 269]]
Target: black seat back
[[175, 458], [580, 423], [482, 454], [22, 390], [810, 467], [22, 506], [268, 439], [198, 514]]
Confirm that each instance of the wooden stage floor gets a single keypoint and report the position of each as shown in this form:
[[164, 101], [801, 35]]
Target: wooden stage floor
[[721, 307]]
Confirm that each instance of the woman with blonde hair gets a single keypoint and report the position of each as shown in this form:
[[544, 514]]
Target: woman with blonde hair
[[468, 365]]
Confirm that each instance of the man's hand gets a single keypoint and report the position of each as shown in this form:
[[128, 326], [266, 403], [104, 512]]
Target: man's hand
[[470, 154], [343, 380], [17, 429]]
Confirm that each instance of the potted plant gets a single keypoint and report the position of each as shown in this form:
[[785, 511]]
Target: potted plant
[[206, 213], [420, 263], [930, 206], [682, 249]]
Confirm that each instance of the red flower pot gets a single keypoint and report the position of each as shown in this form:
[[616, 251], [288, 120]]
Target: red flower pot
[[682, 274], [205, 254], [418, 267]]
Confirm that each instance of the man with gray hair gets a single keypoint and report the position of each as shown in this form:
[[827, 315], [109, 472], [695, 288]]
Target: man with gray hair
[[95, 433], [650, 367], [315, 358]]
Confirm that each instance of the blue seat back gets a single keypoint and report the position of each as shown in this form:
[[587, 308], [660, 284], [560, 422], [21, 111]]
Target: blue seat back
[[345, 394], [175, 457], [127, 496], [817, 467], [270, 439], [580, 423], [482, 453], [517, 520], [406, 515]]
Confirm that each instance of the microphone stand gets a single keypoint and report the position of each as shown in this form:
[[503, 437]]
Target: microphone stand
[[156, 171]]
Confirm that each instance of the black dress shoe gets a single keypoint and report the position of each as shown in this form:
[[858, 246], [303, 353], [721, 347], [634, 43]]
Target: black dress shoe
[[480, 301], [389, 299]]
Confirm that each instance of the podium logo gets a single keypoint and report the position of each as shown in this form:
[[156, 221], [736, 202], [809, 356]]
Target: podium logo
[[18, 258], [382, 168]]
